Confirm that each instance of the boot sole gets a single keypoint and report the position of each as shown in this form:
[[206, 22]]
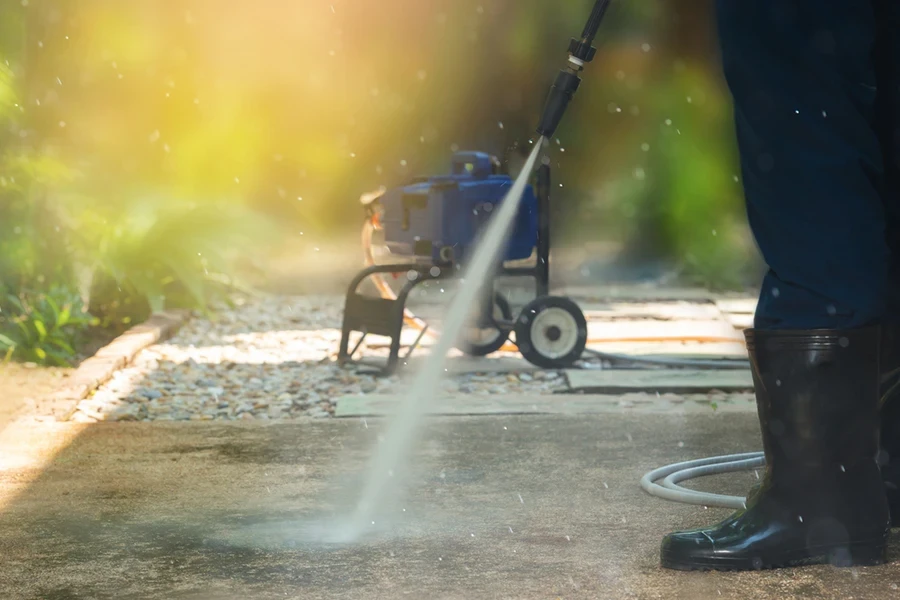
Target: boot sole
[[856, 554]]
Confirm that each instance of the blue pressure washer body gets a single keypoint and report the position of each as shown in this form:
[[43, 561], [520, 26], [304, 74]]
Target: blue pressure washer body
[[437, 219]]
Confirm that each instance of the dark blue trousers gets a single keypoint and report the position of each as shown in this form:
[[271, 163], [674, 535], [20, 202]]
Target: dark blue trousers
[[816, 87]]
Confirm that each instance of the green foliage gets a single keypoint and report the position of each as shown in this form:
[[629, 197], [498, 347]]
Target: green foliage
[[704, 217], [44, 327], [150, 257]]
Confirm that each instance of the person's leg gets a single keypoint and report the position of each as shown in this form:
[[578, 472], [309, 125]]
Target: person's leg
[[804, 88], [888, 119], [803, 82]]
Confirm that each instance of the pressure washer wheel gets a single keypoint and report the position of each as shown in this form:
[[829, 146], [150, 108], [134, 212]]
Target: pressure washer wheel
[[481, 341], [551, 332]]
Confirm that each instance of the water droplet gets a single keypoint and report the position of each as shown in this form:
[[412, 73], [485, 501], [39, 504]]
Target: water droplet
[[645, 147], [776, 292], [668, 121], [62, 123], [500, 124], [645, 47], [403, 163]]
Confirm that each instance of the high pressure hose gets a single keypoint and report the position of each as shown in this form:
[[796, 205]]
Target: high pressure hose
[[672, 474]]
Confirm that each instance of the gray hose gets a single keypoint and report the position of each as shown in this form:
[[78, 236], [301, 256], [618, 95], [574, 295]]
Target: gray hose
[[672, 474]]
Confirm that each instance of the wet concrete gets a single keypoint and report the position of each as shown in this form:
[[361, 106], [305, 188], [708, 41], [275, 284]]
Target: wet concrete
[[544, 506]]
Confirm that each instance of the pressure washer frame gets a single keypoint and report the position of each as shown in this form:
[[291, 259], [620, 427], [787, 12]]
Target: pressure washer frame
[[385, 317]]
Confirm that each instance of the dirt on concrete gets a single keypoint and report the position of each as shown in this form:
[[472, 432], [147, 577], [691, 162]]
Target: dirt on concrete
[[498, 507]]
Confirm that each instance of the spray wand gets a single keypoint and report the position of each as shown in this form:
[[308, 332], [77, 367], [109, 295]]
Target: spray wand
[[581, 52]]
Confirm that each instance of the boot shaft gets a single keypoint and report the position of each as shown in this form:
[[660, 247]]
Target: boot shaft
[[817, 396]]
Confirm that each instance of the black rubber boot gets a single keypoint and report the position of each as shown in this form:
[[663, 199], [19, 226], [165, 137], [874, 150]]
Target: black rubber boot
[[889, 457], [822, 499]]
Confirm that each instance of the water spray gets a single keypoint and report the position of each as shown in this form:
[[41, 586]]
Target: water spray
[[383, 477]]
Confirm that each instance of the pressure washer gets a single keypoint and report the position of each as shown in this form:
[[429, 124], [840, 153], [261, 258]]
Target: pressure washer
[[432, 223]]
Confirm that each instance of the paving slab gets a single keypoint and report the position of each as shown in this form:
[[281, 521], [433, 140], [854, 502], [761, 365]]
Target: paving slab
[[380, 405], [636, 330], [745, 306], [741, 321], [636, 292], [459, 365], [497, 507], [652, 310], [663, 380], [674, 349]]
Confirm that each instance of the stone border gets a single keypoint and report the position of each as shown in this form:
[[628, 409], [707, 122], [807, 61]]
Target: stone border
[[97, 370]]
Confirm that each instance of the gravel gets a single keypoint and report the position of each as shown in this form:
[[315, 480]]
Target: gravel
[[270, 358]]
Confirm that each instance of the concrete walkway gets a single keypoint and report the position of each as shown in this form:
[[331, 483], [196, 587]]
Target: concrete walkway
[[536, 506]]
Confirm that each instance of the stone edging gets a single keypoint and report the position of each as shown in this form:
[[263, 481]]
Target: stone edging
[[97, 370]]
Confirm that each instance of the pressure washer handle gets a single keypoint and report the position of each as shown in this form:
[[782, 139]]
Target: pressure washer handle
[[567, 82]]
